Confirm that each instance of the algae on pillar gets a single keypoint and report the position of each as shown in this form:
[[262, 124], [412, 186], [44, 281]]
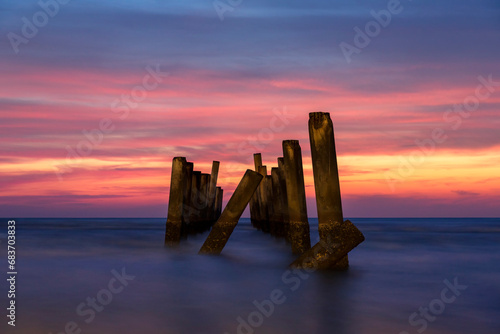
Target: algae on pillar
[[178, 183], [296, 196], [222, 229], [326, 177]]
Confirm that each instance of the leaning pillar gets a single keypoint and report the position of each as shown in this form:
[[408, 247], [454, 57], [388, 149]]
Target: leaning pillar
[[222, 229]]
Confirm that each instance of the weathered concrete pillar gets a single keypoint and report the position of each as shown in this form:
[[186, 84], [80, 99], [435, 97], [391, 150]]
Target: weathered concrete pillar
[[327, 253], [263, 201], [195, 205], [283, 197], [326, 176], [212, 191], [296, 195], [218, 201], [186, 208], [175, 202], [204, 201], [277, 204], [221, 231], [270, 210], [255, 200]]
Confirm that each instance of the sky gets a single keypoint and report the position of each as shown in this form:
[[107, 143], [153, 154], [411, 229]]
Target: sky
[[97, 97]]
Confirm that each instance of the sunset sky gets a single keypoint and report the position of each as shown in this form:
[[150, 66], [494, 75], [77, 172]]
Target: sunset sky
[[407, 146]]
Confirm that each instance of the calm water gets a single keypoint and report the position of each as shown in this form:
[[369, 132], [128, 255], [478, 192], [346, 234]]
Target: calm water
[[400, 268]]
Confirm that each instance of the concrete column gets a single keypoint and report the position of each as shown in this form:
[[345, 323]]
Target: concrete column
[[283, 196], [326, 176], [219, 196], [221, 231], [195, 205], [186, 209], [270, 200], [204, 212], [263, 201], [175, 202], [326, 254], [255, 200], [212, 191], [277, 204], [296, 195], [187, 192]]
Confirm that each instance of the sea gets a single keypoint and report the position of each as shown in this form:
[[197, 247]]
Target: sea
[[106, 276]]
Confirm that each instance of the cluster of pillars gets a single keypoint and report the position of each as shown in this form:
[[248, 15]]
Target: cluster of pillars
[[195, 201], [278, 206], [278, 202]]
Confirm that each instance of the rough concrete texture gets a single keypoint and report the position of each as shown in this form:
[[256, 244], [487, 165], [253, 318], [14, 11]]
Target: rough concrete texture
[[326, 176], [223, 228], [296, 195], [327, 253], [175, 204]]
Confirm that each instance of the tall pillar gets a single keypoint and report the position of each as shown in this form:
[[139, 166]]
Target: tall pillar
[[175, 202], [326, 177], [283, 197], [255, 200], [204, 201], [195, 205], [277, 204], [186, 209], [296, 195], [218, 201], [263, 201], [212, 191]]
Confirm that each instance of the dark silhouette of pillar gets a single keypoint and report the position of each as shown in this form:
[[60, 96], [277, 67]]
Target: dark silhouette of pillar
[[221, 231], [195, 204], [204, 201], [175, 202], [263, 201], [186, 209], [255, 200], [218, 201], [212, 191], [277, 204], [327, 253], [296, 195], [326, 177], [283, 196]]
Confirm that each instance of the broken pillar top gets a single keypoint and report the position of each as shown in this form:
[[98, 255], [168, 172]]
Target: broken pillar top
[[318, 118]]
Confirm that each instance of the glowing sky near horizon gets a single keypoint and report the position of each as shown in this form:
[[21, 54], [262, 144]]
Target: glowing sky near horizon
[[227, 82]]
